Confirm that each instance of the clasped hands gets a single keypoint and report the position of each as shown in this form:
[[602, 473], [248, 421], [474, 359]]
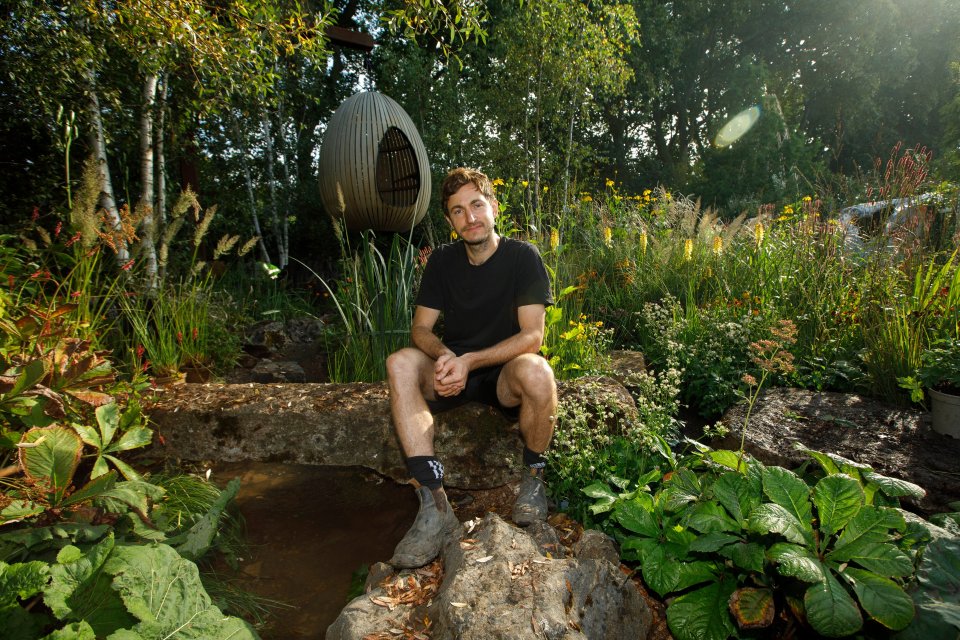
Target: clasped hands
[[450, 375]]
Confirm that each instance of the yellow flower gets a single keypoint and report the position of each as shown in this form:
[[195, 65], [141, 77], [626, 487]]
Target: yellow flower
[[643, 243], [609, 182], [667, 196], [758, 233], [788, 209], [717, 245], [608, 236], [554, 239], [498, 182], [587, 198], [807, 198], [647, 192], [687, 249], [545, 188], [524, 183]]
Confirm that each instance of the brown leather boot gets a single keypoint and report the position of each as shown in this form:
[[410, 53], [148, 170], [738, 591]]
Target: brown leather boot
[[423, 541]]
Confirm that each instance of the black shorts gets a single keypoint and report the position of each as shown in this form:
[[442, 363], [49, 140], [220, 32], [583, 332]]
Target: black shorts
[[481, 387]]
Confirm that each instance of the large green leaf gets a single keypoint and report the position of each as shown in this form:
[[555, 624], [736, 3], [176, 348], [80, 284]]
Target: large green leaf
[[201, 535], [108, 418], [838, 498], [774, 518], [752, 608], [738, 494], [79, 590], [28, 377], [636, 548], [605, 498], [661, 571], [746, 555], [692, 573], [830, 609], [92, 489], [133, 439], [870, 525], [635, 515], [710, 542], [881, 598], [798, 562], [729, 459], [702, 614], [937, 593], [163, 590], [681, 489], [133, 494], [50, 455], [710, 517], [895, 487], [20, 543], [786, 489], [73, 631], [17, 623], [22, 580], [882, 558]]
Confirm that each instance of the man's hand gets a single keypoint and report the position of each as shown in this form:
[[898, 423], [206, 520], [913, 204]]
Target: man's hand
[[450, 375]]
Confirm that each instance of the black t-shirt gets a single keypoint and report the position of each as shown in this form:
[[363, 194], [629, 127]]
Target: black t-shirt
[[479, 303]]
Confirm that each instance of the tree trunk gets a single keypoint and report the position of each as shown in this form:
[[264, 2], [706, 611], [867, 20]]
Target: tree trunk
[[160, 163], [99, 146], [272, 186], [288, 183], [264, 254], [148, 239]]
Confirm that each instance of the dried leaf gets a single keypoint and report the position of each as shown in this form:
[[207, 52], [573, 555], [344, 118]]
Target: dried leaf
[[484, 559], [459, 604]]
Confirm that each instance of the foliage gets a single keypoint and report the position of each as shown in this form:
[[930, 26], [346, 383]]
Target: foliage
[[939, 369], [374, 300], [731, 542]]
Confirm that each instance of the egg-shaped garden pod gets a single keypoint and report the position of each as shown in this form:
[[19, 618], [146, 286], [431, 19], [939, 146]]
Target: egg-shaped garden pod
[[374, 172]]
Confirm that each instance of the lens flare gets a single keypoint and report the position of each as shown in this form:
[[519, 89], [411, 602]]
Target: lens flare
[[738, 125]]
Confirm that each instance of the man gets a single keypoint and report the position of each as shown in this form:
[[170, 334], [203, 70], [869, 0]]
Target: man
[[492, 293]]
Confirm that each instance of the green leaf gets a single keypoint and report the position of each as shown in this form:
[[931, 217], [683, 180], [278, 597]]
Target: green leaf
[[828, 465], [895, 487], [710, 517], [79, 590], [201, 535], [636, 516], [22, 580], [695, 572], [163, 590], [746, 555], [73, 631], [773, 518], [135, 494], [838, 498], [661, 571], [738, 494], [681, 489], [604, 496], [881, 558], [937, 592], [641, 546], [108, 417], [20, 510], [702, 614], [870, 525], [830, 609], [752, 608], [798, 562], [790, 492], [126, 470], [51, 456], [728, 459], [710, 542], [92, 489], [20, 624], [89, 435], [133, 439], [28, 377], [881, 598]]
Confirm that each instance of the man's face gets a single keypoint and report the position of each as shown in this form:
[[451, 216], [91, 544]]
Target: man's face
[[471, 215]]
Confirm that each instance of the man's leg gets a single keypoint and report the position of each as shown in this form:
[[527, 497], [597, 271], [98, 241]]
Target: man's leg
[[410, 374], [529, 380]]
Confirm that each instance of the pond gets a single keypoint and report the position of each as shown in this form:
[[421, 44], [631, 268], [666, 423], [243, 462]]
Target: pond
[[309, 529]]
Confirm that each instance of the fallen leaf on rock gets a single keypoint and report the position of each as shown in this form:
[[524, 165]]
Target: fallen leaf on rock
[[459, 604], [484, 559]]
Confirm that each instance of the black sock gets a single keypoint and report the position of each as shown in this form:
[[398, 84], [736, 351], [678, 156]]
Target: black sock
[[535, 461], [426, 470]]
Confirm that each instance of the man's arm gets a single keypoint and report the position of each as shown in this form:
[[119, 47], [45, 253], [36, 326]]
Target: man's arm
[[452, 370]]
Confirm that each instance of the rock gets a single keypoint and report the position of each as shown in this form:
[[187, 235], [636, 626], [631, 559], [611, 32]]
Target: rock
[[277, 371], [305, 329], [498, 586], [348, 424], [267, 336], [596, 545], [895, 441]]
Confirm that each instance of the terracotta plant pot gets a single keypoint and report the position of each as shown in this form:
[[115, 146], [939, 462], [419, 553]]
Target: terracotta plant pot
[[945, 411]]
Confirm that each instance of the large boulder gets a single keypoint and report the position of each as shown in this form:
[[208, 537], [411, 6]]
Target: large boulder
[[347, 424], [895, 441], [495, 584]]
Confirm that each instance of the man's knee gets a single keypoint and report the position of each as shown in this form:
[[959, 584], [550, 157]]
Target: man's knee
[[404, 365], [535, 376]]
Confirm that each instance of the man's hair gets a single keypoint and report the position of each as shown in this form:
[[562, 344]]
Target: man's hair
[[462, 176]]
